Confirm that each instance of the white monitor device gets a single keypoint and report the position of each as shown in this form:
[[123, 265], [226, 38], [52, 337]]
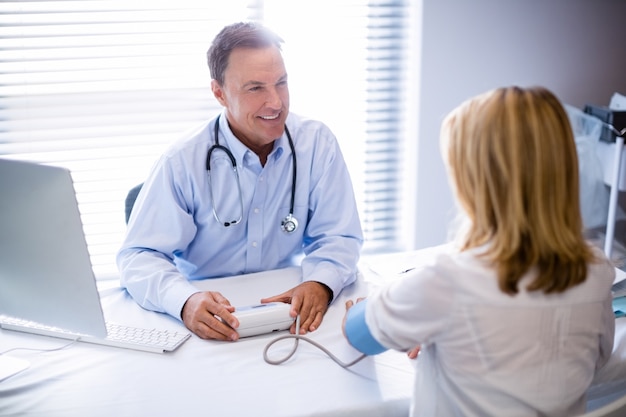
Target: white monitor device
[[45, 269], [263, 318]]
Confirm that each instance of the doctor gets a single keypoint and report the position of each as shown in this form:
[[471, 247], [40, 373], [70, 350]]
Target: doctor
[[255, 188]]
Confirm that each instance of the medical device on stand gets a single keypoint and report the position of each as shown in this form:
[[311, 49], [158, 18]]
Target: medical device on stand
[[612, 145]]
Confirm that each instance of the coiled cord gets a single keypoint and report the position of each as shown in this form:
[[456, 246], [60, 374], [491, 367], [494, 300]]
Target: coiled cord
[[297, 337]]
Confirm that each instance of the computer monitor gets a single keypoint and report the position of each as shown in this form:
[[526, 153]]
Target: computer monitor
[[45, 268]]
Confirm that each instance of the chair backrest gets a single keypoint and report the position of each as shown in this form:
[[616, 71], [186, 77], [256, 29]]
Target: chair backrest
[[616, 408], [130, 200]]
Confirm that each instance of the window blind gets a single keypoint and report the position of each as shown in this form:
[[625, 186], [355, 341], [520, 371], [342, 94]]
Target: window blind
[[102, 87]]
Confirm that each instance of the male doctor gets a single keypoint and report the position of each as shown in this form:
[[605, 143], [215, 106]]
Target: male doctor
[[255, 188]]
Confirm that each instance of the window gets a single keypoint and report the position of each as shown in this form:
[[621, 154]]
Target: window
[[102, 87]]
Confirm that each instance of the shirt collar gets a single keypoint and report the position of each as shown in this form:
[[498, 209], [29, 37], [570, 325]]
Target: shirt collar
[[242, 154]]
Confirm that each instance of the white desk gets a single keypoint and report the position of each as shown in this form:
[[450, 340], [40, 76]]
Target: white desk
[[210, 378], [205, 378]]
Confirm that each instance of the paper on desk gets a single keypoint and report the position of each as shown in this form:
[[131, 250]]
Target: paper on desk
[[391, 265], [395, 265]]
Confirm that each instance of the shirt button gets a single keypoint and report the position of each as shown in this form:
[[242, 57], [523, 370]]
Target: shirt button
[[256, 210], [254, 244]]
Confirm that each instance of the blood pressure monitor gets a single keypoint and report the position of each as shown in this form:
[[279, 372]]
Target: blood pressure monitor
[[263, 318]]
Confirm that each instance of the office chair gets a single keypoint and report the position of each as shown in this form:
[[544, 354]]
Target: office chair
[[130, 200], [616, 408]]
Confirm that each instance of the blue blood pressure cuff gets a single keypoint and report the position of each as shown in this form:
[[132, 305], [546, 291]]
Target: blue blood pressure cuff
[[358, 333]]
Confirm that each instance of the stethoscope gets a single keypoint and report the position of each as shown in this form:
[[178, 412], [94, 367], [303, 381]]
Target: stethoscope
[[289, 223]]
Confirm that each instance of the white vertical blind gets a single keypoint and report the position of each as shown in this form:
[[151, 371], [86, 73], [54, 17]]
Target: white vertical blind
[[102, 86], [348, 66]]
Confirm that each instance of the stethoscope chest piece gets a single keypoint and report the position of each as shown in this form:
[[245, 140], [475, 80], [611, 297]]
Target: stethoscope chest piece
[[289, 224]]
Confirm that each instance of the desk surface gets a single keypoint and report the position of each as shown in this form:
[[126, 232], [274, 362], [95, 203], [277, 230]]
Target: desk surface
[[205, 377], [227, 379]]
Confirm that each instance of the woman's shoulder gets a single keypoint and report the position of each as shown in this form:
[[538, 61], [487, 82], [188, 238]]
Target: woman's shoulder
[[601, 269]]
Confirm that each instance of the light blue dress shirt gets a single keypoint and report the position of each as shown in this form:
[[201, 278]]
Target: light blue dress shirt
[[173, 236]]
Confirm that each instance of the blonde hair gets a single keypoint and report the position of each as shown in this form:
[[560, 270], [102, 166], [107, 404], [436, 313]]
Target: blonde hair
[[512, 159]]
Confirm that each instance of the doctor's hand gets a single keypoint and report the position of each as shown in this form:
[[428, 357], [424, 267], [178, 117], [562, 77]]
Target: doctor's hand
[[309, 299], [199, 315]]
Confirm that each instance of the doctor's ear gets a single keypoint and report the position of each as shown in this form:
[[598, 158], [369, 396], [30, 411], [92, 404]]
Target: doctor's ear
[[218, 92]]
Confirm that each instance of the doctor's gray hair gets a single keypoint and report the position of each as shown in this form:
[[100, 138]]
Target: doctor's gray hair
[[238, 35]]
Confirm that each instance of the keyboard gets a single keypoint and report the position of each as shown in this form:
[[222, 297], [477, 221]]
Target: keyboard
[[136, 338]]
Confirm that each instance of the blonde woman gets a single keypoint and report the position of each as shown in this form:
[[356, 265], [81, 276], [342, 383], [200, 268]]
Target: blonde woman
[[517, 318]]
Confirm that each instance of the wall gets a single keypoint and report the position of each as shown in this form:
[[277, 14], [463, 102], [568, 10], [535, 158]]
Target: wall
[[573, 47]]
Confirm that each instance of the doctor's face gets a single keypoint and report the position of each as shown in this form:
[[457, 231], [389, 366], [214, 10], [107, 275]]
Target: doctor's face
[[255, 95]]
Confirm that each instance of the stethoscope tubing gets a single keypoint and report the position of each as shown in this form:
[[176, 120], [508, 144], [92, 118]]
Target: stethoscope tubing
[[289, 223]]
